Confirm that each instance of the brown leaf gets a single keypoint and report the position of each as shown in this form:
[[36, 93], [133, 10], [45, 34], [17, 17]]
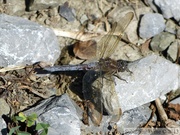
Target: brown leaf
[[145, 47], [174, 111], [174, 115], [85, 49], [176, 107]]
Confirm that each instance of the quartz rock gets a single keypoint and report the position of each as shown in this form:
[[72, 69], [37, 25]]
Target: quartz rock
[[132, 119], [152, 77], [169, 8], [151, 24], [24, 42], [61, 113]]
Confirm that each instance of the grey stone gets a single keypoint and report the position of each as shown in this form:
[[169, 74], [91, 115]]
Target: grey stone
[[3, 130], [24, 42], [83, 18], [152, 77], [67, 12], [4, 107], [161, 41], [169, 8], [173, 50], [170, 27], [151, 24], [133, 119], [44, 4], [61, 113]]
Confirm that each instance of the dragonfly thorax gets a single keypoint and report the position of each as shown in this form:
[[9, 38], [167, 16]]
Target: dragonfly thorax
[[108, 65]]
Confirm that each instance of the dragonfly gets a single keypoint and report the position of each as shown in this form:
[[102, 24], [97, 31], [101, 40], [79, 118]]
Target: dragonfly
[[101, 72]]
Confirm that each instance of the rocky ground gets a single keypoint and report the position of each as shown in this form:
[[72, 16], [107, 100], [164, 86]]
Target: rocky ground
[[151, 30]]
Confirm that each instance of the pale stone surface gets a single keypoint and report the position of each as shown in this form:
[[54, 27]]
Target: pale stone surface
[[153, 76], [169, 8], [151, 24], [24, 42], [61, 113], [4, 107], [132, 119]]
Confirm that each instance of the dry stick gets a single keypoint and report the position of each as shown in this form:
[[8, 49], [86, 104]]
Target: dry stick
[[162, 113], [34, 91], [11, 68], [73, 34], [82, 36]]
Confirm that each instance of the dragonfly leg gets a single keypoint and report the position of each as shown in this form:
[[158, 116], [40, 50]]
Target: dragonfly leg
[[127, 69], [118, 76]]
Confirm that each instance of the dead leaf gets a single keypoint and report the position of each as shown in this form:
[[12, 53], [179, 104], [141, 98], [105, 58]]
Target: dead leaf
[[176, 107], [173, 111], [85, 49], [145, 47]]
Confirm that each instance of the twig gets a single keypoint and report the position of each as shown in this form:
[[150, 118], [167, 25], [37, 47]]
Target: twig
[[162, 113], [34, 91], [11, 68], [83, 36]]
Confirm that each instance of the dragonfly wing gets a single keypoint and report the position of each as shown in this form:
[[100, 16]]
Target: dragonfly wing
[[107, 45], [93, 96], [102, 45], [110, 98]]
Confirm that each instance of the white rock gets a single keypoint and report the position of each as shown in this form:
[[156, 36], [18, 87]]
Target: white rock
[[131, 120], [24, 42], [61, 113], [151, 24], [3, 127], [152, 77], [169, 8]]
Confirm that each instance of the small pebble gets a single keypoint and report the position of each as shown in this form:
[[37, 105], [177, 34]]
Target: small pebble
[[151, 24], [173, 50], [67, 12], [170, 27], [161, 41]]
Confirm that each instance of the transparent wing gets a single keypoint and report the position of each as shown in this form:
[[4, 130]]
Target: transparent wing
[[110, 98], [100, 91], [93, 96], [107, 45]]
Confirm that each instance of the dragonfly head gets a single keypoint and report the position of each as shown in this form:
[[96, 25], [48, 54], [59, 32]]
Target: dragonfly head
[[122, 65]]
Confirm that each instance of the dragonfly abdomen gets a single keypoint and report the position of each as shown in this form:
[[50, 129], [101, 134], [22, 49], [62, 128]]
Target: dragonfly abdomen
[[80, 67]]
